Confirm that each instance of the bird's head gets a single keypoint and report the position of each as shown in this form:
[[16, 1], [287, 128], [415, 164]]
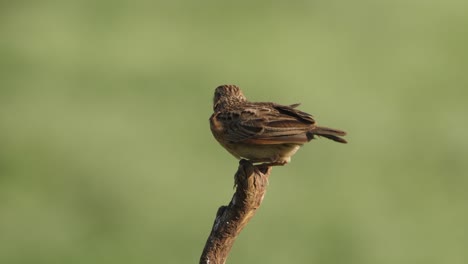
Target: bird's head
[[226, 95]]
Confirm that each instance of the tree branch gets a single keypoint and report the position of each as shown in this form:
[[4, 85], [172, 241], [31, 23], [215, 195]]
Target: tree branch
[[251, 182]]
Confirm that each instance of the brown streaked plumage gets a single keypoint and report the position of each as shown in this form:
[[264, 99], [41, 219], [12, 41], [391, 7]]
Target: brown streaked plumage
[[262, 132]]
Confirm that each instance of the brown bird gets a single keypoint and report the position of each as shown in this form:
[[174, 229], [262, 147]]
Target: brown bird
[[262, 132]]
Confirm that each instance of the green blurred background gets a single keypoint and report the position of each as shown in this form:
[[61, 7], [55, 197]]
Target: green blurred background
[[106, 154]]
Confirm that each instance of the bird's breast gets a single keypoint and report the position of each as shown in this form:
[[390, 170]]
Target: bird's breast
[[217, 128], [215, 124]]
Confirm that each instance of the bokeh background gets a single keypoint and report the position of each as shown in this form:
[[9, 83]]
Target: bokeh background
[[106, 154]]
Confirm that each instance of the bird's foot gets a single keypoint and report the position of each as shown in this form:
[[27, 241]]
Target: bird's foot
[[276, 163], [273, 162]]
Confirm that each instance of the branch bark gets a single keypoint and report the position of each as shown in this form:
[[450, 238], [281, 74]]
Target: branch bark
[[251, 182]]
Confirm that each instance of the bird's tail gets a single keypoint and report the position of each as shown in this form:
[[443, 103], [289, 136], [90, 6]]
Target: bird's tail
[[330, 133]]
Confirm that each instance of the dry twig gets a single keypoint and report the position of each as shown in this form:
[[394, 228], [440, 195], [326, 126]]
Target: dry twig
[[251, 182]]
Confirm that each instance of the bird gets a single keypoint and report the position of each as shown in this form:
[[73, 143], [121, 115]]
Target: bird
[[264, 133]]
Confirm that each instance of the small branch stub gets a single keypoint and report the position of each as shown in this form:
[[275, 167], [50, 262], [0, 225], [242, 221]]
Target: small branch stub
[[251, 182]]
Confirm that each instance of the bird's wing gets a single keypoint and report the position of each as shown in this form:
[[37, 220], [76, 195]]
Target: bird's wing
[[269, 123]]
